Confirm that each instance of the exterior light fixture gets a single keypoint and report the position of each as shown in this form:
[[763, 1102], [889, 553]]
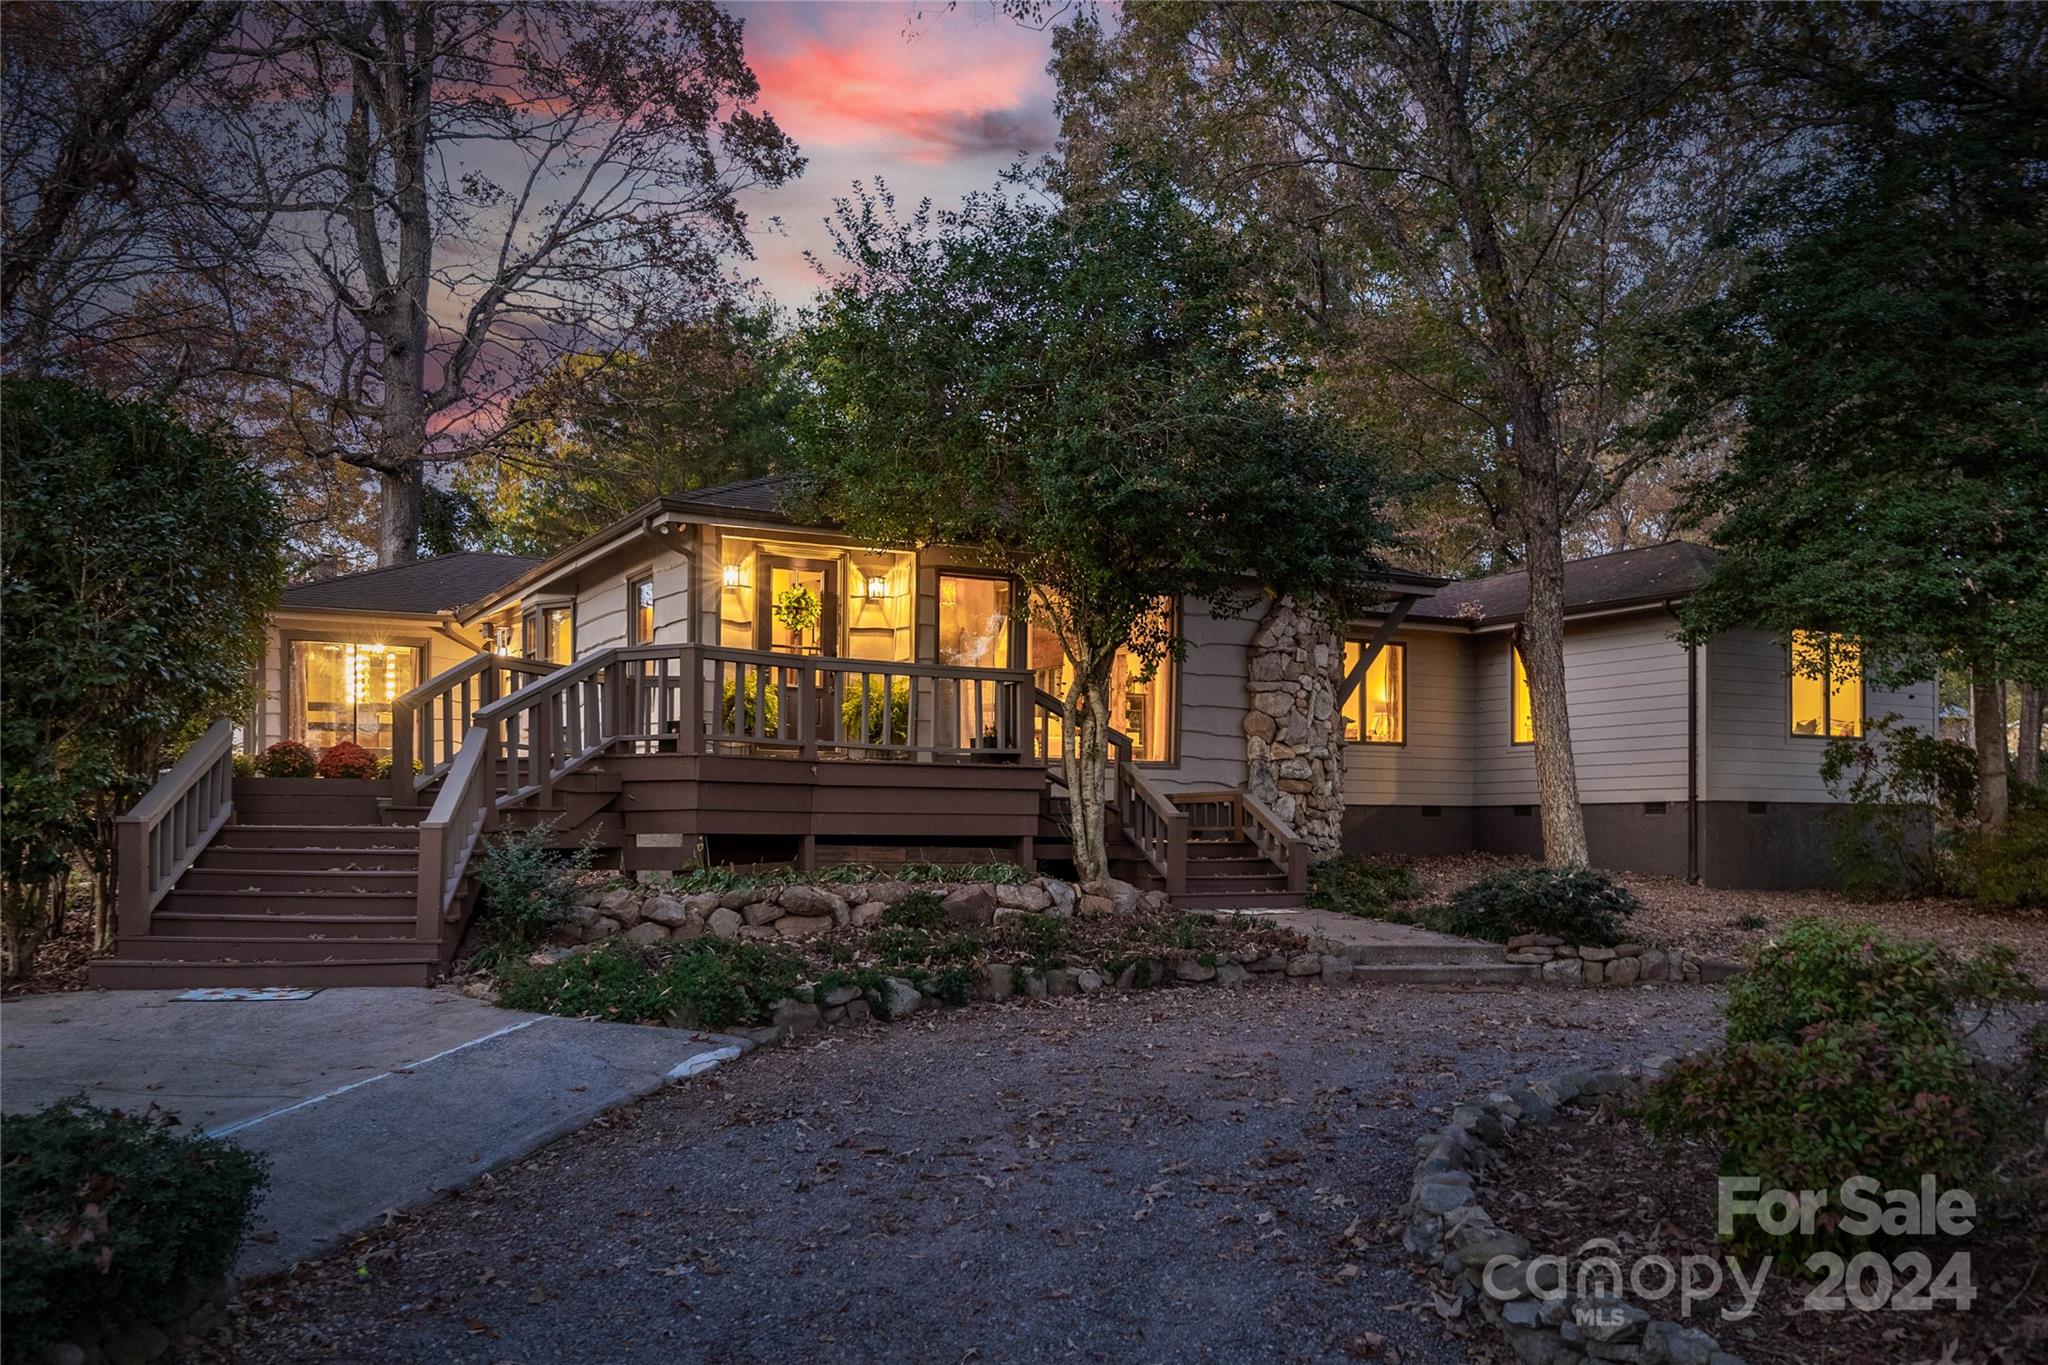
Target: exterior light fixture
[[732, 575], [878, 586]]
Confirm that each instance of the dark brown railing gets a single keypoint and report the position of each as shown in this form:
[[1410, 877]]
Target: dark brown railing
[[171, 825], [429, 723]]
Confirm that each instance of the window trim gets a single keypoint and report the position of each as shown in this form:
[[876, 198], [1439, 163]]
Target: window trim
[[1518, 678], [633, 583], [1827, 690], [1401, 702]]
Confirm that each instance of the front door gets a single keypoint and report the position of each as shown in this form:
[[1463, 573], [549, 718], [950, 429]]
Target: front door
[[798, 611]]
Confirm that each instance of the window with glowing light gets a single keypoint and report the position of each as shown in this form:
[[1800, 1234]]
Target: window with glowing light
[[974, 621], [1376, 713], [558, 634], [343, 690], [1524, 714], [1827, 685], [1141, 695], [640, 610]]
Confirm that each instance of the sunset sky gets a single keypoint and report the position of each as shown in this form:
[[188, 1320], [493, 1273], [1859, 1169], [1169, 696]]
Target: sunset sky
[[934, 102]]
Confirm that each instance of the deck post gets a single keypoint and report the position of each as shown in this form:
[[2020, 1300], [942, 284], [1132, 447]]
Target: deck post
[[402, 755], [131, 893], [1027, 853], [807, 713], [1177, 854], [691, 721], [807, 853]]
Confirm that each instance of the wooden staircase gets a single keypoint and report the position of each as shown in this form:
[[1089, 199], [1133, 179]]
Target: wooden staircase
[[1223, 873], [312, 883]]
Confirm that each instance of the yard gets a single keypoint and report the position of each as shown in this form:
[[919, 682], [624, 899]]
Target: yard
[[1728, 924], [1193, 1174]]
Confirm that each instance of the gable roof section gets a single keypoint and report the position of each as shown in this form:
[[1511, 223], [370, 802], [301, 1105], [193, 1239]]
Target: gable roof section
[[1654, 573], [762, 496], [425, 587]]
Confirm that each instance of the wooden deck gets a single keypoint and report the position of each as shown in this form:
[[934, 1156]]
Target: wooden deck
[[641, 752]]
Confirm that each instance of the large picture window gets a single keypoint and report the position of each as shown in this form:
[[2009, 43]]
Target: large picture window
[[1376, 712], [343, 690], [1141, 696], [1827, 685], [974, 621]]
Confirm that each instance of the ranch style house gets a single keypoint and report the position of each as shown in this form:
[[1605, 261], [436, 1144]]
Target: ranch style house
[[710, 678]]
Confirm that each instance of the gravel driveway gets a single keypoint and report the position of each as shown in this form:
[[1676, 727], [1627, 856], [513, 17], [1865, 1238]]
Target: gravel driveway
[[1199, 1175]]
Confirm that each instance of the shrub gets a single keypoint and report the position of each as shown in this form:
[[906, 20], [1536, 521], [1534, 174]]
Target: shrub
[[1844, 1100], [1824, 971], [2009, 871], [750, 708], [887, 722], [245, 764], [708, 982], [1900, 786], [918, 910], [348, 759], [109, 1218], [528, 885], [1576, 904], [287, 758], [1361, 886], [384, 766]]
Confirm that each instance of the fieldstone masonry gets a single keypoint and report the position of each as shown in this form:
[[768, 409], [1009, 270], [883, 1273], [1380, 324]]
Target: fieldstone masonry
[[1292, 747]]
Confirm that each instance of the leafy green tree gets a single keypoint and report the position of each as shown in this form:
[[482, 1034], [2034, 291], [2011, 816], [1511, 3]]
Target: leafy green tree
[[1472, 209], [141, 561], [1079, 394], [1885, 347], [699, 403]]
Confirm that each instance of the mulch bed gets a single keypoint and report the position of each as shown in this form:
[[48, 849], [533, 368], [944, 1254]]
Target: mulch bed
[[60, 963], [1706, 921], [1599, 1174]]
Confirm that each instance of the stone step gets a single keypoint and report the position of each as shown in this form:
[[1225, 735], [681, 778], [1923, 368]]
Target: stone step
[[1407, 954], [1446, 974]]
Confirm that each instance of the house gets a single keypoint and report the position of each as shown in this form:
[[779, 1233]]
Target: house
[[343, 649], [713, 677]]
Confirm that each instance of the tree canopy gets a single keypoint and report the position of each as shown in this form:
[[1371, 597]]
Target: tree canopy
[[1884, 347], [1081, 393], [141, 561]]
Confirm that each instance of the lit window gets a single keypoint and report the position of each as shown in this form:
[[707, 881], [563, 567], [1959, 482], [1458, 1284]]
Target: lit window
[[974, 622], [640, 610], [1827, 685], [1374, 713], [558, 634], [1525, 717], [1140, 696], [342, 690]]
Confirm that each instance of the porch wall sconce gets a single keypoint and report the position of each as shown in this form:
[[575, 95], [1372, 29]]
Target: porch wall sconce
[[732, 576], [877, 587]]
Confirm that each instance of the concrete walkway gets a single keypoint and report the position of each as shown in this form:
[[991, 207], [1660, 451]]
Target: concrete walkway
[[365, 1100], [1402, 954]]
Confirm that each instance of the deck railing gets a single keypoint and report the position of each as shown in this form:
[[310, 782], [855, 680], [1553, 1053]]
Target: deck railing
[[655, 699], [449, 834], [1161, 824], [172, 824], [429, 723]]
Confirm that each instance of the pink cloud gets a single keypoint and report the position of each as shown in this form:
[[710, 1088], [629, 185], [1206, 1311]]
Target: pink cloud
[[851, 76]]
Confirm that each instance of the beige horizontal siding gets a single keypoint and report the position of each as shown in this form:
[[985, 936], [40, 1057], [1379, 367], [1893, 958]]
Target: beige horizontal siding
[[1749, 752], [1434, 768]]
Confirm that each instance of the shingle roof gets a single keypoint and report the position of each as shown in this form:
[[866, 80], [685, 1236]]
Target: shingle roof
[[1651, 574], [764, 494], [421, 588]]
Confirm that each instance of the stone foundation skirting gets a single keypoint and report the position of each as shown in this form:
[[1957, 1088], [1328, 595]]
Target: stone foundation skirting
[[1545, 1321]]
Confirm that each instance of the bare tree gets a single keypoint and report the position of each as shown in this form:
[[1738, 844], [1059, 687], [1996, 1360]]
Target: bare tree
[[474, 191]]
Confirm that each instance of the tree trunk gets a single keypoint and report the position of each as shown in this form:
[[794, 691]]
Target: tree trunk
[[398, 517], [1434, 73], [1085, 756], [1987, 712], [34, 913], [2027, 764]]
